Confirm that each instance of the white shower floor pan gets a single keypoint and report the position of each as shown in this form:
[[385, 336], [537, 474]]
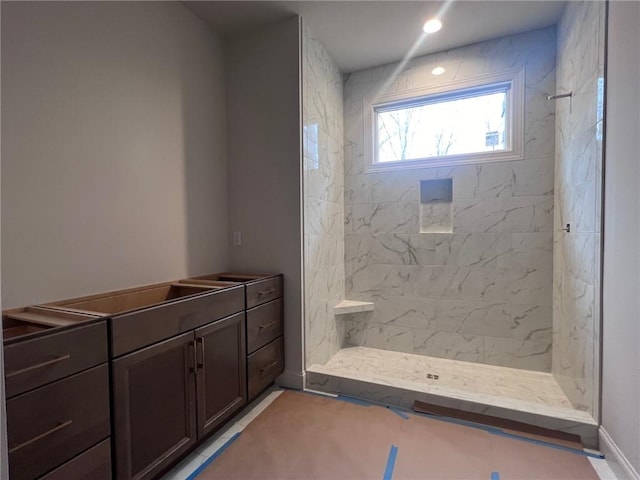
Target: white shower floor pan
[[398, 379]]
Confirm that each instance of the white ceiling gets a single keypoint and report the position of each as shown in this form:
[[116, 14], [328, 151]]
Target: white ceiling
[[363, 34]]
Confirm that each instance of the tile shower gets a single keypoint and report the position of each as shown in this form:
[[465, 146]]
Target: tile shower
[[464, 264]]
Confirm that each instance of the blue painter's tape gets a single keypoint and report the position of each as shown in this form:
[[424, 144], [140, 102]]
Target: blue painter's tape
[[391, 463], [353, 400], [399, 413], [495, 476], [215, 455]]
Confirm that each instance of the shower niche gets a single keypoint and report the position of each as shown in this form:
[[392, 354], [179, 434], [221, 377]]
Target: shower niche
[[436, 206]]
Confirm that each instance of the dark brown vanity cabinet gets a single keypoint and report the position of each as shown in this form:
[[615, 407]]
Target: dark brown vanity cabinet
[[221, 372], [265, 346], [154, 407], [170, 395], [184, 357], [264, 324], [57, 386]]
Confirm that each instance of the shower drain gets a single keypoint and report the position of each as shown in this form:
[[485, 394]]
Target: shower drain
[[433, 376]]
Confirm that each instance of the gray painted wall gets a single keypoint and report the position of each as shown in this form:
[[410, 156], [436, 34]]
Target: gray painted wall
[[113, 148], [621, 308], [264, 145]]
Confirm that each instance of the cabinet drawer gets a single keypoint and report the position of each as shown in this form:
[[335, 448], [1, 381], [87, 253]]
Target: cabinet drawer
[[263, 291], [33, 363], [50, 425], [264, 366], [131, 331], [264, 323], [94, 464]]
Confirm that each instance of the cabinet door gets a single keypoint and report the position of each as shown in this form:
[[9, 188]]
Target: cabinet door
[[154, 407], [222, 374]]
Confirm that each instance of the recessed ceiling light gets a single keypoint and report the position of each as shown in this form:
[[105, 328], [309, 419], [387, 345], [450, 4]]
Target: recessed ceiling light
[[432, 26], [438, 71]]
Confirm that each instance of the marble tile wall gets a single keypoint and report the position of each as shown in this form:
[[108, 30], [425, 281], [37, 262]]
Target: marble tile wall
[[578, 176], [482, 292], [323, 186]]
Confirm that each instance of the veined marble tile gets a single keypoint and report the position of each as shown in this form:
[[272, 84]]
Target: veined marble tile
[[357, 248], [528, 286], [584, 155], [532, 386], [576, 264], [533, 176], [579, 256], [382, 218], [324, 198], [530, 355], [526, 214], [453, 282], [355, 328], [410, 312], [471, 249], [357, 189], [531, 322], [586, 46], [532, 250], [322, 251], [395, 187], [436, 217], [574, 371], [450, 345], [477, 215], [577, 303], [323, 217], [488, 319], [582, 207], [539, 137], [379, 279], [393, 249], [353, 156], [389, 337], [483, 181], [336, 276]]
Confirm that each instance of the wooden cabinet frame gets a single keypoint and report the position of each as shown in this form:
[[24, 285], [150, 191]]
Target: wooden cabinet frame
[[127, 412], [221, 372], [213, 376]]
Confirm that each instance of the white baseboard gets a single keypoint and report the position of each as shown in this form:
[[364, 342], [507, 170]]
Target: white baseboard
[[615, 458], [291, 379]]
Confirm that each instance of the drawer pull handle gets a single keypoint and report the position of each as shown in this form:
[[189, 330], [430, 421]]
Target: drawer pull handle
[[58, 427], [267, 325], [194, 345], [201, 363], [268, 367], [37, 366], [268, 291]]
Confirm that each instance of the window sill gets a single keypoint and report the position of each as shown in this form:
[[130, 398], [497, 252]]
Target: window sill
[[451, 161]]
